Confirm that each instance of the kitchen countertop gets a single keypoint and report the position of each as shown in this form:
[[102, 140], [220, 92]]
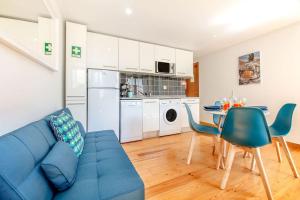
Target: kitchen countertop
[[157, 97]]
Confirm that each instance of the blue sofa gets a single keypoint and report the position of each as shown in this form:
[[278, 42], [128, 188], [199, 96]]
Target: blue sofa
[[104, 170]]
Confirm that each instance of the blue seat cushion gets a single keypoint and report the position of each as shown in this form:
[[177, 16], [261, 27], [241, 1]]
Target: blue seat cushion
[[60, 166], [104, 171]]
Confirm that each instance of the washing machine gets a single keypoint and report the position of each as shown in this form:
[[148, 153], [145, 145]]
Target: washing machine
[[169, 120]]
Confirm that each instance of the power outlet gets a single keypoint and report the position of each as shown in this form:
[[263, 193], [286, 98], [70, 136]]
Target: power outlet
[[165, 87]]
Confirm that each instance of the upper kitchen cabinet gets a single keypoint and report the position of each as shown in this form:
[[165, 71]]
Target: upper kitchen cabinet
[[164, 54], [102, 51], [147, 58], [75, 60], [184, 63], [128, 55]]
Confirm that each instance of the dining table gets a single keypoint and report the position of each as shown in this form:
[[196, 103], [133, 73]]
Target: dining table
[[222, 152]]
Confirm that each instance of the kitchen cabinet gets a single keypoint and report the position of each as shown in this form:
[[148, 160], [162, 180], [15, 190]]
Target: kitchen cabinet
[[76, 83], [150, 115], [193, 103], [164, 54], [184, 63], [75, 60], [131, 120], [147, 57], [78, 110], [102, 51], [128, 55]]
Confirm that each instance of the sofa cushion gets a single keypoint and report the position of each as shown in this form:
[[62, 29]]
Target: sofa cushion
[[20, 174], [104, 172], [67, 130], [60, 166]]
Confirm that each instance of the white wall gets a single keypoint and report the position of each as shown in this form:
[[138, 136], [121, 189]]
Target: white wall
[[280, 70], [28, 90]]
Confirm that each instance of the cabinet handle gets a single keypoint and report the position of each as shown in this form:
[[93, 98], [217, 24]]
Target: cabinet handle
[[107, 66], [148, 70], [131, 68]]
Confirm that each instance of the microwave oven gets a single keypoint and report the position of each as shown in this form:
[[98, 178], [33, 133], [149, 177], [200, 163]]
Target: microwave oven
[[164, 68]]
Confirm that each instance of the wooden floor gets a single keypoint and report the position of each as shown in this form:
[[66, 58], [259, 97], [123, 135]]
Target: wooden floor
[[161, 162]]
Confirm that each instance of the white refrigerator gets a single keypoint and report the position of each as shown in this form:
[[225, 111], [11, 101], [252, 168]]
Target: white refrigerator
[[103, 100]]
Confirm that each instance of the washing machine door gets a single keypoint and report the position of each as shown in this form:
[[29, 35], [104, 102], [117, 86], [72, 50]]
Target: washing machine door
[[170, 116]]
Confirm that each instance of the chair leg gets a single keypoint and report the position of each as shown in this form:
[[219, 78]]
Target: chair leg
[[278, 152], [192, 145], [215, 142], [289, 156], [262, 172], [215, 139], [220, 154], [245, 154], [229, 161], [253, 163]]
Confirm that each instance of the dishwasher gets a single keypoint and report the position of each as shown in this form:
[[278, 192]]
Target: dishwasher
[[131, 120], [193, 103]]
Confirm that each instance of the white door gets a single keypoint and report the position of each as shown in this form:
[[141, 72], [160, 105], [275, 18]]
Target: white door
[[147, 57], [102, 51], [78, 110], [150, 115], [128, 55], [131, 121], [103, 79], [103, 110]]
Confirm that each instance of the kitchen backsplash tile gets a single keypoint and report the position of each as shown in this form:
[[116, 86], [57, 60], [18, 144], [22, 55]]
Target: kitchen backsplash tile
[[157, 85]]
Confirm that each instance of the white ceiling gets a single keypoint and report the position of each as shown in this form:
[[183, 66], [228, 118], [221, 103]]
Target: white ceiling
[[199, 25]]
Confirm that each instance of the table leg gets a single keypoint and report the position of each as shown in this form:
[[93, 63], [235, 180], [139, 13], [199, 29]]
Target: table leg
[[215, 141]]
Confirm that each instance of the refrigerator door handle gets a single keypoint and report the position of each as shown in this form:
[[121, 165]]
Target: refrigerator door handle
[[76, 103]]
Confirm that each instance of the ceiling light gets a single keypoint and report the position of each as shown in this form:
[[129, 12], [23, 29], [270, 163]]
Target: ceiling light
[[128, 11]]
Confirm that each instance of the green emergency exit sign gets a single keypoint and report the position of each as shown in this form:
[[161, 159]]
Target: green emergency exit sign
[[48, 48], [76, 51]]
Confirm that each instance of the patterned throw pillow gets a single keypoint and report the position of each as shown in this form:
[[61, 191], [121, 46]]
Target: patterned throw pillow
[[66, 129]]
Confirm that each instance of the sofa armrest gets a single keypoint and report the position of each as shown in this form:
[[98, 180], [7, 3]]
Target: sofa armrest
[[81, 129]]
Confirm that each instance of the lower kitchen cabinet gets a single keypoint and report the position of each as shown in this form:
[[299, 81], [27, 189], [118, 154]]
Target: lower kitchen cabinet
[[150, 116], [193, 103], [131, 120]]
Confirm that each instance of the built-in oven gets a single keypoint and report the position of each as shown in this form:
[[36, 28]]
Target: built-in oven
[[164, 68]]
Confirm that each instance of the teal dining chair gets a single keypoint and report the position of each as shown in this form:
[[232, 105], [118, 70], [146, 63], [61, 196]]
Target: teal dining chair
[[280, 128], [246, 128], [198, 129]]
